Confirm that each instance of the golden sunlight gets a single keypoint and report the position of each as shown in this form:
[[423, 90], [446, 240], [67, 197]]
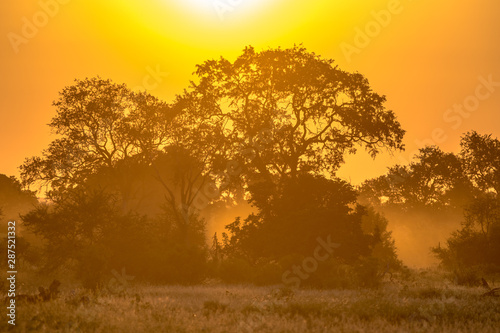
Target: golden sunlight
[[250, 166], [222, 10]]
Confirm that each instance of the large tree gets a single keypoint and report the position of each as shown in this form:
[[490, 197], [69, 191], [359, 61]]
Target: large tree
[[286, 111]]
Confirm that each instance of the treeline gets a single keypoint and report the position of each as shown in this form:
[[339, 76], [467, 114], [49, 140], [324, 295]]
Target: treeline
[[438, 186], [130, 178]]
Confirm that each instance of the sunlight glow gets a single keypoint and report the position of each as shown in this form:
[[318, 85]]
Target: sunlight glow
[[221, 9]]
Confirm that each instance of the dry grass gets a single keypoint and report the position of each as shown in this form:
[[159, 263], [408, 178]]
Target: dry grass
[[425, 304]]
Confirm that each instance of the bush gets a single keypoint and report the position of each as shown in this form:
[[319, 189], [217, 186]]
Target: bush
[[477, 243], [88, 233]]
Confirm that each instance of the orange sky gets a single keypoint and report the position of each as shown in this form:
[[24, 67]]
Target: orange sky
[[425, 57]]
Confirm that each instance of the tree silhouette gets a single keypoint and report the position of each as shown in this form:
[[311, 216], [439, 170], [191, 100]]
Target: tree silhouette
[[438, 189], [477, 242], [481, 159], [435, 180], [275, 123], [99, 123], [117, 150], [105, 128], [289, 222], [286, 118], [87, 233], [289, 111]]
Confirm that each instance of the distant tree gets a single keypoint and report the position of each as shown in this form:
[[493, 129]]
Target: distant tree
[[435, 180], [477, 242], [476, 245], [426, 198], [481, 159], [439, 187]]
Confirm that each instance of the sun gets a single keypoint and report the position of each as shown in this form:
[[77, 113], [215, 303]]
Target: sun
[[222, 9], [199, 4]]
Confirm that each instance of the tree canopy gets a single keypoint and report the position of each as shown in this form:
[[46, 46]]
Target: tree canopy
[[434, 179], [481, 159], [98, 123], [289, 110]]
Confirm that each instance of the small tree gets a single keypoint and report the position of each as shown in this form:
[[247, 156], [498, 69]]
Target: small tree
[[476, 245]]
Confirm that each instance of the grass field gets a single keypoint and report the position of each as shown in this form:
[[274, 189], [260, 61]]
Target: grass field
[[426, 302]]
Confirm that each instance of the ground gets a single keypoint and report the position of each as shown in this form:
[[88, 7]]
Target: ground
[[423, 302]]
